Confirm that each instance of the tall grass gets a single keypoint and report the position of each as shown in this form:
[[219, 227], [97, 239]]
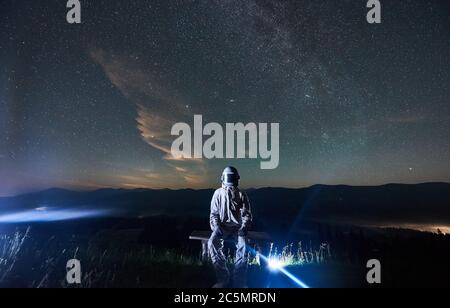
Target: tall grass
[[10, 247], [30, 261], [297, 255]]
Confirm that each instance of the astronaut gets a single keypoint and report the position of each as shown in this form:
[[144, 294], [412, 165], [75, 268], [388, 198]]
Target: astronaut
[[230, 218]]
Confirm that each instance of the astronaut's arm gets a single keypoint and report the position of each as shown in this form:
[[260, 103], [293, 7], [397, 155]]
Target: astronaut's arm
[[214, 217], [247, 216]]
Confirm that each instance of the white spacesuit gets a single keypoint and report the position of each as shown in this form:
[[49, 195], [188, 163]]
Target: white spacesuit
[[230, 218]]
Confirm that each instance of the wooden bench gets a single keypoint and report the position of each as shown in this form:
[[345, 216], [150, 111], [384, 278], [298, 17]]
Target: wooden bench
[[203, 236]]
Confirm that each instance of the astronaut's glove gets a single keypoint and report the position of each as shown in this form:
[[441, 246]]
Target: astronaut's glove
[[218, 230]]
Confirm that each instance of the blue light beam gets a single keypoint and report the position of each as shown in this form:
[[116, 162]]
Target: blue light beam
[[278, 266]]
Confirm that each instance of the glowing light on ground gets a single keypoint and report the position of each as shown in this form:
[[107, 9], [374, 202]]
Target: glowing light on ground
[[276, 265]]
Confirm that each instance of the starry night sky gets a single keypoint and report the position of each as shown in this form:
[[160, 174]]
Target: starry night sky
[[91, 105]]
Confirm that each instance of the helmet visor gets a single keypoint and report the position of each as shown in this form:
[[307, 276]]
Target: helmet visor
[[230, 179]]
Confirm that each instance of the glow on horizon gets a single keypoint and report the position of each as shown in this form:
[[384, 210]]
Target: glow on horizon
[[43, 214]]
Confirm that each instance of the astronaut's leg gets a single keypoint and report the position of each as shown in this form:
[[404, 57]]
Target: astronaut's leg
[[215, 247], [240, 262]]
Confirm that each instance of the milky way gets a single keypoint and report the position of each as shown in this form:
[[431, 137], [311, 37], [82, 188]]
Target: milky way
[[91, 105]]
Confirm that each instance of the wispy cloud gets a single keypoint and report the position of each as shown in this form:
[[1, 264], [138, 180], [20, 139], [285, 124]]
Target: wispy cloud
[[158, 108]]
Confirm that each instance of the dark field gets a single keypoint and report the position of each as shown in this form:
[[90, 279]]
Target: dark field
[[140, 253]]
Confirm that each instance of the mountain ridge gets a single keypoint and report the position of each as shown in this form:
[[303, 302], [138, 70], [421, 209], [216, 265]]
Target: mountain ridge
[[424, 202]]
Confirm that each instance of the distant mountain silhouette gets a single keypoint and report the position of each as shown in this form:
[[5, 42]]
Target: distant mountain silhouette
[[424, 203]]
